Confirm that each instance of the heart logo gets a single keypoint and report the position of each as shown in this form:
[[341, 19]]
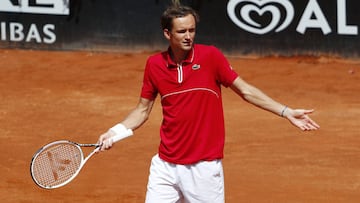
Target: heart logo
[[244, 20]]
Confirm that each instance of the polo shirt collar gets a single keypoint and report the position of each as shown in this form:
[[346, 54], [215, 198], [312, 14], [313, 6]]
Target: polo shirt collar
[[189, 58]]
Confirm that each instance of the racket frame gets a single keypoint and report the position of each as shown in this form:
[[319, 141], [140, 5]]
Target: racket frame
[[115, 138], [82, 163]]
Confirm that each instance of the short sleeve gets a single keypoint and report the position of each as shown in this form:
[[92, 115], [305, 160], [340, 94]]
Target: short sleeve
[[225, 73], [149, 90]]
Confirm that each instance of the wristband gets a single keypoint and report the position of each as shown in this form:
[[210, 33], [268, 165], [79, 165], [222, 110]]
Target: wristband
[[283, 111], [121, 132]]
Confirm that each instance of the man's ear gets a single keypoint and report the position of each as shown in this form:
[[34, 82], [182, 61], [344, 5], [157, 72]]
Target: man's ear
[[167, 33]]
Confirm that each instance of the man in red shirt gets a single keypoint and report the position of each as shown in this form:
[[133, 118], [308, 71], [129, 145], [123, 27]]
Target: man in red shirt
[[188, 77], [193, 122]]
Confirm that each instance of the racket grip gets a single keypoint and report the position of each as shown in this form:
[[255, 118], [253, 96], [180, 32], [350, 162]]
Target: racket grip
[[122, 135]]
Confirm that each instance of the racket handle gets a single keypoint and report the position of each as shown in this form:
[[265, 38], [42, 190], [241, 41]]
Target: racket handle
[[122, 135]]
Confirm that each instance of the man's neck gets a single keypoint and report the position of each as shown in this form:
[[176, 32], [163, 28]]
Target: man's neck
[[178, 55]]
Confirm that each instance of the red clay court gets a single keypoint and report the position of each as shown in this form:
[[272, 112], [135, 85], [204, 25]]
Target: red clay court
[[47, 96]]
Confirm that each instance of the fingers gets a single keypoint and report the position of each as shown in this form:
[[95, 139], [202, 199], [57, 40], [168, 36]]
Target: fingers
[[309, 111], [313, 124], [308, 127], [308, 124], [105, 141], [300, 118], [106, 144]]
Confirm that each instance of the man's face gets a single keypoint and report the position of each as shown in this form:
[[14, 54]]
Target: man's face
[[181, 36]]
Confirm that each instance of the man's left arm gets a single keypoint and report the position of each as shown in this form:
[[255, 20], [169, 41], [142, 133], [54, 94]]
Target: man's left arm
[[251, 94]]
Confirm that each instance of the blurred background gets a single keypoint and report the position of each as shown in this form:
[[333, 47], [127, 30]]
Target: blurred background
[[237, 27]]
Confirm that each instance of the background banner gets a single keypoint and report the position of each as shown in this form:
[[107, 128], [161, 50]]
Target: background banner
[[245, 27]]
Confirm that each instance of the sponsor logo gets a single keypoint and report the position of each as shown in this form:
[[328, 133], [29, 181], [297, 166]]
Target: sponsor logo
[[277, 15], [52, 7], [260, 7], [57, 164], [17, 32], [33, 32]]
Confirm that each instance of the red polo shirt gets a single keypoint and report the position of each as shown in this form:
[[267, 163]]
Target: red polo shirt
[[192, 129]]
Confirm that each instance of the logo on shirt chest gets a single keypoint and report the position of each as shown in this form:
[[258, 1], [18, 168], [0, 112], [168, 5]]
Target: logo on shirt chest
[[195, 67]]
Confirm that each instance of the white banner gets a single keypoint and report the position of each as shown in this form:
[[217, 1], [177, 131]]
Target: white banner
[[52, 7]]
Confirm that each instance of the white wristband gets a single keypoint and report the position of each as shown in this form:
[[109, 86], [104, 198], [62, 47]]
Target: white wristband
[[121, 132]]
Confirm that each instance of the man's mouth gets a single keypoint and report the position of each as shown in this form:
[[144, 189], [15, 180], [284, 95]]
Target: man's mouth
[[187, 43]]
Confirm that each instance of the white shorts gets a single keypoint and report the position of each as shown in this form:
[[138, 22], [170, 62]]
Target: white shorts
[[174, 183]]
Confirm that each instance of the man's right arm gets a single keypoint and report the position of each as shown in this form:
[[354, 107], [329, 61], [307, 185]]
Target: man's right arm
[[139, 115], [134, 120]]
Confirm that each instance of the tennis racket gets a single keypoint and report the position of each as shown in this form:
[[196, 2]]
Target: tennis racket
[[58, 163]]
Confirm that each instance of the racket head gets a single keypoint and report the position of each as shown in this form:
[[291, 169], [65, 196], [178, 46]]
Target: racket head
[[56, 164]]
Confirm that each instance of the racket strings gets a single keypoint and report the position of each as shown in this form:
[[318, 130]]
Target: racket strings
[[56, 164]]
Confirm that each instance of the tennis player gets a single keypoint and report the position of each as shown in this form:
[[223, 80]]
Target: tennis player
[[188, 77]]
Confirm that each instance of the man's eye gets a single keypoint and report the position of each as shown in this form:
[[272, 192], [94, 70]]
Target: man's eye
[[184, 31]]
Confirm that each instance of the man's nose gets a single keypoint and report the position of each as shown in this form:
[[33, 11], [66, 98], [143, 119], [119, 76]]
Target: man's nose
[[187, 35]]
